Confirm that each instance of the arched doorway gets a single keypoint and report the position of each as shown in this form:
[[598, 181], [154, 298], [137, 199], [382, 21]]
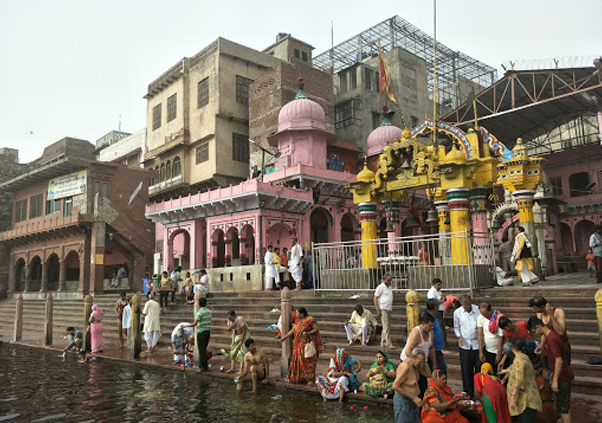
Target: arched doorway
[[218, 249], [583, 230], [180, 249], [348, 227], [567, 239], [35, 275], [54, 269], [232, 247], [247, 240], [319, 224], [20, 275], [72, 270]]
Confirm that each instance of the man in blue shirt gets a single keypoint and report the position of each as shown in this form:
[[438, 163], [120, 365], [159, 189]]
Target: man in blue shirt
[[432, 305]]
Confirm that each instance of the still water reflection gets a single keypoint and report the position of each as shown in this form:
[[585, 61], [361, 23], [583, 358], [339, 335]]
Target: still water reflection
[[39, 386]]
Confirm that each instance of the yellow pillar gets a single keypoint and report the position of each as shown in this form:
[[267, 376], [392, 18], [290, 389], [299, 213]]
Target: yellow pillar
[[598, 298], [412, 309], [459, 207], [369, 235]]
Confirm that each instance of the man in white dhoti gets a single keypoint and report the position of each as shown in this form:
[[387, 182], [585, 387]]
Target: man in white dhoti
[[522, 258], [294, 265], [152, 323], [271, 269]]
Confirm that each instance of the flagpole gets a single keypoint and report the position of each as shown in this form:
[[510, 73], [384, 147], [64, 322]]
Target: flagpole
[[434, 72]]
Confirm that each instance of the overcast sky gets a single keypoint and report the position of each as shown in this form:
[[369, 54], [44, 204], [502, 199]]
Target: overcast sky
[[71, 68]]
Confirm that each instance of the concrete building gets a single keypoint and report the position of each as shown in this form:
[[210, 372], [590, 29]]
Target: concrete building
[[74, 221], [121, 147]]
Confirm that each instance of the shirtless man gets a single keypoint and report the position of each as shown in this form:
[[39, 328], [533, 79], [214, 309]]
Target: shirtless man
[[407, 402], [553, 317], [255, 365]]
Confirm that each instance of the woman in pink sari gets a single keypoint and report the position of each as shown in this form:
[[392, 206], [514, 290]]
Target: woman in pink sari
[[96, 329]]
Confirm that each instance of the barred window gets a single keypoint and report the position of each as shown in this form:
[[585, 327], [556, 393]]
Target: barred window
[[172, 103], [67, 206], [157, 116], [348, 113], [202, 153], [203, 93], [370, 79], [36, 206], [21, 210], [242, 89], [240, 148]]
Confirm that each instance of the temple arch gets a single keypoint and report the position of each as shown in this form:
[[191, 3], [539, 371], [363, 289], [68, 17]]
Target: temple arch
[[232, 247], [319, 223], [583, 230], [349, 226], [53, 272], [20, 274], [218, 250]]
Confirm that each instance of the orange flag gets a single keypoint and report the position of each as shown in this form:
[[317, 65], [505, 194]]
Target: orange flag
[[384, 82]]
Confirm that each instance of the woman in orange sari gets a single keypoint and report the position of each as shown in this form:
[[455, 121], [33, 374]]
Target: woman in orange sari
[[495, 398], [302, 369], [440, 402]]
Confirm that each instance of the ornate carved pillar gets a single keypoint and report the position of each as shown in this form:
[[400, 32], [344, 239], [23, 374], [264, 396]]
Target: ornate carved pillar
[[63, 274], [44, 283], [369, 236], [480, 231], [459, 206]]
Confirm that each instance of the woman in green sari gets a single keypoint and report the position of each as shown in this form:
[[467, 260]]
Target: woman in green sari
[[240, 333], [380, 377]]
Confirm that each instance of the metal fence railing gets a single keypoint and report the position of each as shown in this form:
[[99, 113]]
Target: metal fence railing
[[463, 261]]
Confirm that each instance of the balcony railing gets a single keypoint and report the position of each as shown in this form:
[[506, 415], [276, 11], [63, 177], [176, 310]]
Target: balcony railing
[[40, 224]]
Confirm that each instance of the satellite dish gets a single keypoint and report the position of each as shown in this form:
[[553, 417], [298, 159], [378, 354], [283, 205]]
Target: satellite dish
[[135, 193]]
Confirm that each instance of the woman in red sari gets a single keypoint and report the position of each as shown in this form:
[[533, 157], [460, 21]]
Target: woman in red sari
[[302, 369], [493, 393], [440, 402]]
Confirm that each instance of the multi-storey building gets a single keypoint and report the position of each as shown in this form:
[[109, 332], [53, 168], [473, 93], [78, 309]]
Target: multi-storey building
[[74, 221]]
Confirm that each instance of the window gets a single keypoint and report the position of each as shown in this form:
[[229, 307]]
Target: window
[[202, 153], [203, 93], [157, 116], [172, 103], [240, 148], [242, 89], [348, 113], [105, 189], [53, 206], [162, 173], [297, 53], [556, 185], [579, 184], [304, 56], [21, 210], [370, 79], [36, 203], [96, 187], [176, 169], [67, 206], [375, 120]]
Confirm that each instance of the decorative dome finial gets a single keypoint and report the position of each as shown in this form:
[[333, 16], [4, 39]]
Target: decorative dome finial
[[301, 85]]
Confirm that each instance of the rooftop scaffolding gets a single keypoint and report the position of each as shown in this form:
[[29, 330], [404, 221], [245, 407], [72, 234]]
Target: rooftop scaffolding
[[397, 32]]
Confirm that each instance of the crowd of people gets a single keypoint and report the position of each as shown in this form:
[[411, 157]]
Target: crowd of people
[[511, 369]]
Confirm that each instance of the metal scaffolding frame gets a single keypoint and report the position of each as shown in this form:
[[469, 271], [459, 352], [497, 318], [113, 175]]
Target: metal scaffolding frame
[[397, 32]]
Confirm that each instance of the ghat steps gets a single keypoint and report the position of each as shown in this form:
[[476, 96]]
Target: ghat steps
[[330, 311]]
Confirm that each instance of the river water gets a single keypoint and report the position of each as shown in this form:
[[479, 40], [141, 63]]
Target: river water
[[40, 386]]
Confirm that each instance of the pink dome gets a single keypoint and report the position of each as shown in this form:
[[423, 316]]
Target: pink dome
[[383, 135], [301, 113]]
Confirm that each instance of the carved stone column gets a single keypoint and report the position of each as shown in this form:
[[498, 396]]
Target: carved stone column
[[62, 275], [287, 346], [48, 320]]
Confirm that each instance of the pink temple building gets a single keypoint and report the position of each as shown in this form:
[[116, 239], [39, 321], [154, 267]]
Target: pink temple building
[[228, 229]]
